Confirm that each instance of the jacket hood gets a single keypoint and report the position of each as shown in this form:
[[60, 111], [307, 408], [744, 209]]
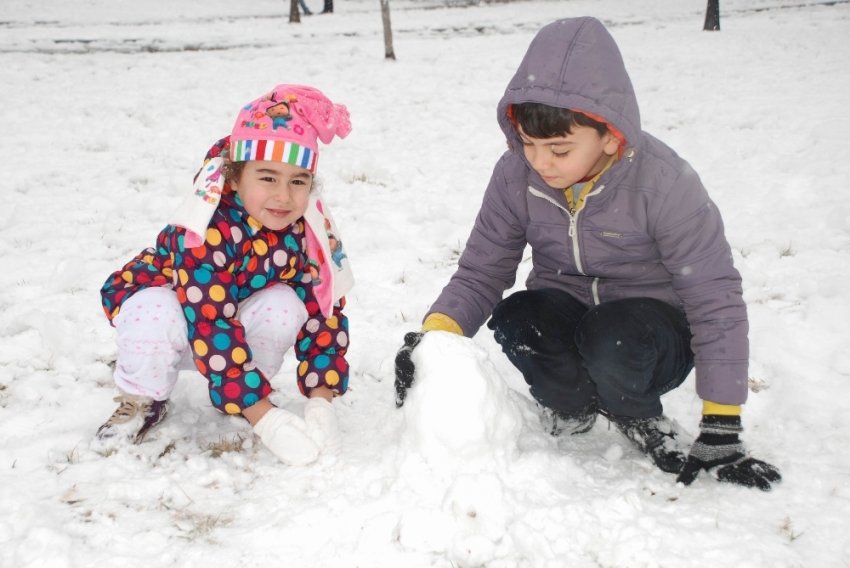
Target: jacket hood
[[574, 63]]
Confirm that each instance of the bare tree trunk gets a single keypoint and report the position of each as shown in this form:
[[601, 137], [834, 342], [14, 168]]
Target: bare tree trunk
[[712, 16], [388, 31], [294, 16]]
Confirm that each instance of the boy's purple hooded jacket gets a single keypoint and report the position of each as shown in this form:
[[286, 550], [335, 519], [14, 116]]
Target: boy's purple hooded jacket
[[648, 228]]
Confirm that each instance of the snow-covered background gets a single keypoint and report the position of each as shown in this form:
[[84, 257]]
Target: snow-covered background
[[106, 110]]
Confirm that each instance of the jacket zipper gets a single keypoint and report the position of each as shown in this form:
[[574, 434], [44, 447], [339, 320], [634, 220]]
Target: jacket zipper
[[594, 286], [574, 237], [573, 233]]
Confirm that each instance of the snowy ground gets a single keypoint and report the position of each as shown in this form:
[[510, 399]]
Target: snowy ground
[[106, 109]]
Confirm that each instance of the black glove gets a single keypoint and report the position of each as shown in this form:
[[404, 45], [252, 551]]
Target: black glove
[[718, 446], [404, 367]]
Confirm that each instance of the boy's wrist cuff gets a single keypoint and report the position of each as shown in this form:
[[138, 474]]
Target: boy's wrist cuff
[[712, 408], [441, 322]]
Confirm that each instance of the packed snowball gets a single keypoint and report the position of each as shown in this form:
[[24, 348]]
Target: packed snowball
[[459, 409]]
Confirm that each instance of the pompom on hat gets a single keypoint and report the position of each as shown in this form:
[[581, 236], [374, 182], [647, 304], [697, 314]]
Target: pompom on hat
[[286, 124]]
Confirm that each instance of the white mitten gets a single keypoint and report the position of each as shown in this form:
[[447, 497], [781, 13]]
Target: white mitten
[[286, 436], [323, 426]]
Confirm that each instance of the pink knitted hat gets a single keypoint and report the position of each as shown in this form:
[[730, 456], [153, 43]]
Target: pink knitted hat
[[283, 126]]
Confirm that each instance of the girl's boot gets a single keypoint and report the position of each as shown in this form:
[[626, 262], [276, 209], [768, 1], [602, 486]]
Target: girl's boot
[[135, 416]]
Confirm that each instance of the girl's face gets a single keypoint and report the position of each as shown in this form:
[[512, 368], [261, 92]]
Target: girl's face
[[274, 193], [564, 160]]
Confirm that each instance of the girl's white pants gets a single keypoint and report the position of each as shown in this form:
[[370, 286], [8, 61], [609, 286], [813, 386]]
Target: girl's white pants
[[153, 345]]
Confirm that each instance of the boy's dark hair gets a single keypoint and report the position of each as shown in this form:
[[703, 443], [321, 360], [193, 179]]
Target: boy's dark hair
[[543, 121]]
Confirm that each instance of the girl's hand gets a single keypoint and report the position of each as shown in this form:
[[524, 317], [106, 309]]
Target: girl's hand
[[286, 435], [322, 425]]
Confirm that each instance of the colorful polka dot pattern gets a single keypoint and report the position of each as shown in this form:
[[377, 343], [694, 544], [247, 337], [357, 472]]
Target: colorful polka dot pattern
[[238, 258]]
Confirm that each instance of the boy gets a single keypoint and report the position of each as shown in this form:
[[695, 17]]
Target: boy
[[632, 283]]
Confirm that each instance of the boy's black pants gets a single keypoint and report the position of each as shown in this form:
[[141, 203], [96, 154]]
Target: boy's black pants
[[619, 356]]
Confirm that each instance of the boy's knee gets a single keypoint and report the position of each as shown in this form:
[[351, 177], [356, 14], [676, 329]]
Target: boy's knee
[[599, 334], [531, 317], [612, 338], [617, 323]]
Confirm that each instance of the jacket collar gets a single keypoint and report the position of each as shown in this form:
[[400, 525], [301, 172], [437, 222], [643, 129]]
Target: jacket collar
[[609, 178]]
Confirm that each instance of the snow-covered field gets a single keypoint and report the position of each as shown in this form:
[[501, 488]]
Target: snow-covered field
[[106, 110]]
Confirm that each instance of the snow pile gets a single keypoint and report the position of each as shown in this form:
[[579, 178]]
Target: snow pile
[[460, 420], [470, 527], [458, 410]]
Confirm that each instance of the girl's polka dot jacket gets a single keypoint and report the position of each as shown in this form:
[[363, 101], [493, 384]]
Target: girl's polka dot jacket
[[239, 258]]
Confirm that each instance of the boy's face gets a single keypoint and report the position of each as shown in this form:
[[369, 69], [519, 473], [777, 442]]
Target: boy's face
[[274, 193], [564, 160]]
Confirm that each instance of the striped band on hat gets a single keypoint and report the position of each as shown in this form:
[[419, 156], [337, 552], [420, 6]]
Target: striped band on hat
[[274, 151]]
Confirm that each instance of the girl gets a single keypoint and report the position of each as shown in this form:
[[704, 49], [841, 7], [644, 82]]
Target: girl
[[243, 272], [632, 282]]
